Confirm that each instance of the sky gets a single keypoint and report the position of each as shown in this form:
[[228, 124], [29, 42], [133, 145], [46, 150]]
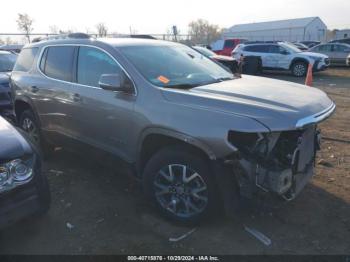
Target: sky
[[156, 16]]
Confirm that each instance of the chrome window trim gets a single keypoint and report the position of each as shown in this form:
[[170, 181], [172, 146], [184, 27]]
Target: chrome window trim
[[85, 45], [316, 118]]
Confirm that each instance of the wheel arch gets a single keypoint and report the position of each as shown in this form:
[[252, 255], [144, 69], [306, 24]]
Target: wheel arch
[[298, 59], [154, 139], [23, 103]]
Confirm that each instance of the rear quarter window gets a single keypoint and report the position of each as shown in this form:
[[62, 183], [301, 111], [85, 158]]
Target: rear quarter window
[[25, 59]]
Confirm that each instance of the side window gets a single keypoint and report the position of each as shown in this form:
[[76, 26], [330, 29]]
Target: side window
[[339, 48], [25, 59], [276, 49], [325, 48], [59, 62], [229, 44], [257, 48], [92, 63]]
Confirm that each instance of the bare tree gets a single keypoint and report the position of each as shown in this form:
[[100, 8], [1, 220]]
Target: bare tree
[[202, 32], [101, 29], [54, 29], [24, 23]]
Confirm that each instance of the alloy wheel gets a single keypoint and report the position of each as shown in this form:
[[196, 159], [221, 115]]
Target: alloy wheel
[[299, 70], [29, 126], [181, 190]]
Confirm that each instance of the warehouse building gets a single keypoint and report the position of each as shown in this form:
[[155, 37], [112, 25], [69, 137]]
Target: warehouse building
[[300, 29], [345, 33]]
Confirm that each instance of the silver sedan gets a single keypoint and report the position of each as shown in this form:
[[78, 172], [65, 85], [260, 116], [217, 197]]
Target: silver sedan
[[338, 53]]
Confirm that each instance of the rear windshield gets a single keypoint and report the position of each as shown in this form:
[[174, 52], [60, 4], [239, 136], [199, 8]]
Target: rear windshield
[[25, 59]]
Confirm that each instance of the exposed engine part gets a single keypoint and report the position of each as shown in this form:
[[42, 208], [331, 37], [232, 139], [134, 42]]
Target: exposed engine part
[[276, 162]]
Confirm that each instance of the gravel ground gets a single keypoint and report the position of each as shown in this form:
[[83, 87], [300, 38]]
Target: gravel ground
[[97, 209]]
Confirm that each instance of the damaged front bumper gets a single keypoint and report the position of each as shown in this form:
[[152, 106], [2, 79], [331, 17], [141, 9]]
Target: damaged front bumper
[[280, 163]]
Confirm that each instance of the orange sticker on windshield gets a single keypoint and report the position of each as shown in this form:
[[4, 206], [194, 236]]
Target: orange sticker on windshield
[[163, 79]]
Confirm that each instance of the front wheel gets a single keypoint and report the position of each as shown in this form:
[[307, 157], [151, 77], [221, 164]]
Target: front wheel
[[299, 69], [180, 184]]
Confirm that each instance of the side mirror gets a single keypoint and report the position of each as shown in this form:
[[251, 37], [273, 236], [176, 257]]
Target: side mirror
[[113, 82], [284, 52]]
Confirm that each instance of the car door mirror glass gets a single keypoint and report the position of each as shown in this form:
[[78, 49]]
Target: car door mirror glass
[[284, 52], [112, 82]]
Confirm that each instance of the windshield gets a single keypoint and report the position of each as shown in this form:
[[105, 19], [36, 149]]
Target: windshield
[[290, 47], [204, 51], [175, 66], [7, 61]]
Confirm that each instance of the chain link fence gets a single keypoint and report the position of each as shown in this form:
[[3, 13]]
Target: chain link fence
[[22, 39]]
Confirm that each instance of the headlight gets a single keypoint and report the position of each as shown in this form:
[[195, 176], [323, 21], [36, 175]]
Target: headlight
[[315, 58], [15, 173], [19, 170]]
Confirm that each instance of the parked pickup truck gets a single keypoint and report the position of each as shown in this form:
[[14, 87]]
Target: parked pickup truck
[[225, 47], [193, 133]]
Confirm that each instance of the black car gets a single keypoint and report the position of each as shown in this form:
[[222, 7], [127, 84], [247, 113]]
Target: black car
[[7, 61], [344, 41], [24, 189]]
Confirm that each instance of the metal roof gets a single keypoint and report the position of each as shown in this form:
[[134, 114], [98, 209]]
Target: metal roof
[[273, 25]]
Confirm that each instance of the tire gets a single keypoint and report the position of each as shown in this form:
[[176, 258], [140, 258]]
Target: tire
[[29, 124], [189, 200], [299, 69]]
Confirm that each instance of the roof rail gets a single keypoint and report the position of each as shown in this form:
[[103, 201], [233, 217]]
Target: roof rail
[[63, 36]]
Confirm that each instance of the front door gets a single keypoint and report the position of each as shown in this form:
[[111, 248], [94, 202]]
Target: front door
[[340, 53], [101, 117], [280, 57]]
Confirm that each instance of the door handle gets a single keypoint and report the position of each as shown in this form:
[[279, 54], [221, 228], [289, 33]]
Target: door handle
[[76, 97], [34, 89]]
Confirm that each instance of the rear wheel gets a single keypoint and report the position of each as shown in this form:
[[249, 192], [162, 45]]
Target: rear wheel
[[180, 185], [29, 124], [299, 69]]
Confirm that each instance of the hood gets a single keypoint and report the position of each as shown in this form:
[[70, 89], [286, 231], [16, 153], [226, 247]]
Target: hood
[[277, 104], [312, 54], [12, 142], [4, 77]]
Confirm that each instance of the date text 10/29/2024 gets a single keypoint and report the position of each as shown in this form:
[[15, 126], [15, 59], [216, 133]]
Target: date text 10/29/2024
[[173, 258]]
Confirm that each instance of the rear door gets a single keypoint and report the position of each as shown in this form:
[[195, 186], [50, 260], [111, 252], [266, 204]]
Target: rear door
[[101, 117], [54, 88]]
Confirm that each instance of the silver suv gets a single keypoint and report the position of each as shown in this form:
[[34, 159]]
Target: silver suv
[[194, 134]]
